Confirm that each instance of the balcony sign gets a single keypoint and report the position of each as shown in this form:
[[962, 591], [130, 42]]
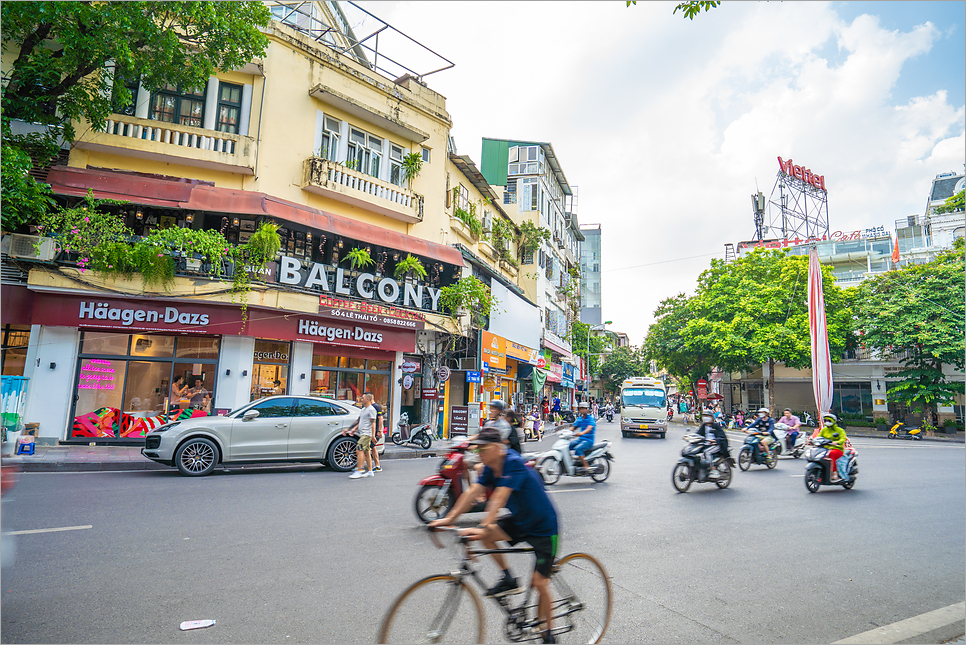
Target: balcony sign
[[365, 285]]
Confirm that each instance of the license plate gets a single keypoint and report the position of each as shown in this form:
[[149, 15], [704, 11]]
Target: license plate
[[643, 427]]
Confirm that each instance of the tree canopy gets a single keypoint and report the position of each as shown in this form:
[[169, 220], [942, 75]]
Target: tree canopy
[[622, 363], [918, 311], [75, 60], [953, 204]]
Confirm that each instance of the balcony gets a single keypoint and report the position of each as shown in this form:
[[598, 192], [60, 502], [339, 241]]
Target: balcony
[[172, 143], [336, 181]]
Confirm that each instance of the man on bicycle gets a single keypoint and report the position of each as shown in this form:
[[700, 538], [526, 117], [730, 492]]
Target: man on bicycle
[[532, 519]]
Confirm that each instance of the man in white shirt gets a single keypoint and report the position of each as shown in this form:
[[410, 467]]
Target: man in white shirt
[[366, 428]]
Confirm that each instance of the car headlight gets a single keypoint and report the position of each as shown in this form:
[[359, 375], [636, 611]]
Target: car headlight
[[166, 426]]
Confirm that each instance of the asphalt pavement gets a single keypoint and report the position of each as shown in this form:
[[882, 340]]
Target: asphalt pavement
[[303, 554]]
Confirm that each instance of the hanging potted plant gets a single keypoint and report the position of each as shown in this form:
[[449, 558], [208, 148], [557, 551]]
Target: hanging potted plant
[[358, 258], [408, 266]]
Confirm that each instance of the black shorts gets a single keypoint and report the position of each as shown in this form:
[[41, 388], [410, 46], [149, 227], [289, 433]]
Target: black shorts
[[544, 546]]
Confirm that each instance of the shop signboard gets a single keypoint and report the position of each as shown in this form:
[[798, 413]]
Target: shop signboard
[[474, 377], [702, 389], [370, 312], [567, 375], [407, 381], [521, 352], [429, 393], [554, 372], [337, 281], [443, 373], [494, 350], [459, 419], [410, 367], [489, 383]]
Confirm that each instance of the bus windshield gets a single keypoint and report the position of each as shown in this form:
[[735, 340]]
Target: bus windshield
[[644, 397]]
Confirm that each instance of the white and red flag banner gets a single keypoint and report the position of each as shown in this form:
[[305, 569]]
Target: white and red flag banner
[[821, 360]]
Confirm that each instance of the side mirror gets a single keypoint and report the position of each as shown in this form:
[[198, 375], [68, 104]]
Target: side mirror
[[249, 415]]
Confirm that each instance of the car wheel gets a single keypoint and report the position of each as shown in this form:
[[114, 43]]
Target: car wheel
[[342, 454], [196, 457]]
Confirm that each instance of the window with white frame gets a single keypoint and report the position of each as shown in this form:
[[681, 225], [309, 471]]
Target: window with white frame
[[463, 198], [510, 194], [487, 221], [365, 152], [426, 154], [395, 164], [331, 129]]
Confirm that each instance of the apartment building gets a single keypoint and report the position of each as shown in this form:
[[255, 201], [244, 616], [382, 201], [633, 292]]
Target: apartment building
[[590, 263]]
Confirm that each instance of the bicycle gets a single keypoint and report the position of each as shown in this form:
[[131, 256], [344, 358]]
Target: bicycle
[[580, 613]]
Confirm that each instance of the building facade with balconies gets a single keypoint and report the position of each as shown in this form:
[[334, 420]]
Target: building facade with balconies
[[314, 137]]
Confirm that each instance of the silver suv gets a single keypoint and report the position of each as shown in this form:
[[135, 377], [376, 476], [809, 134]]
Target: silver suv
[[273, 429]]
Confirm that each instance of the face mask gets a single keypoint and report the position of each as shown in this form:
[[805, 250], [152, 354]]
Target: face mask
[[761, 415], [829, 423]]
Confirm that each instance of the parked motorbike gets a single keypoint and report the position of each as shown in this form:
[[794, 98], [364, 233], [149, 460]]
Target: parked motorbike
[[902, 431], [752, 452], [794, 447], [807, 420], [559, 461], [689, 468], [438, 493], [818, 472], [420, 436]]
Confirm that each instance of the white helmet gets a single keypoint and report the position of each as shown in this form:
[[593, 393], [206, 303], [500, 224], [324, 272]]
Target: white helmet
[[829, 419]]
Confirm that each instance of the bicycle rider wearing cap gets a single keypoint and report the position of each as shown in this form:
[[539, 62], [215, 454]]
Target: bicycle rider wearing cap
[[532, 519]]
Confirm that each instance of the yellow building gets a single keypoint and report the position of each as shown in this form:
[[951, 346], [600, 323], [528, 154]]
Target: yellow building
[[314, 137]]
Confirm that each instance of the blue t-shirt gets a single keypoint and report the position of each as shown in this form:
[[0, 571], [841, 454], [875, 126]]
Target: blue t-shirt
[[533, 513], [582, 422]]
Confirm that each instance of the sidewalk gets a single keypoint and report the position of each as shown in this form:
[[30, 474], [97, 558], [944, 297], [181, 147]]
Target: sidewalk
[[81, 458]]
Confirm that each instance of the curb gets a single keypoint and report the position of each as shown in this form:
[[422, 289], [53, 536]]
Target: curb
[[28, 466], [936, 626]]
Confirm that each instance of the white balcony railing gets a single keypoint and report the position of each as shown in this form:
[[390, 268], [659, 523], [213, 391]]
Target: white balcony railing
[[393, 200], [171, 133]]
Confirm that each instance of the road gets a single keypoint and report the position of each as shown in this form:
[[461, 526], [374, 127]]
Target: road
[[303, 554]]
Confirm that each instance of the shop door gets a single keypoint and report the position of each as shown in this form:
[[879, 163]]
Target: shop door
[[314, 423], [266, 436]]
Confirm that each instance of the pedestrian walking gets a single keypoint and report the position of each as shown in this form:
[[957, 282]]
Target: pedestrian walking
[[380, 420], [365, 428]]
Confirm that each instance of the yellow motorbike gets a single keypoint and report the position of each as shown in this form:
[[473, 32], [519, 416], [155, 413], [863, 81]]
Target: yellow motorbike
[[902, 431]]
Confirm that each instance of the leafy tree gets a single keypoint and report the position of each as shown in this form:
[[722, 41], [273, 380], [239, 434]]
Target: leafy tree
[[953, 204], [598, 345], [623, 363], [691, 8], [680, 342], [74, 60], [919, 310]]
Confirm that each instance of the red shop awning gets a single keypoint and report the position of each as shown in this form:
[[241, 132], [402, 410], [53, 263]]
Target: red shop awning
[[187, 194]]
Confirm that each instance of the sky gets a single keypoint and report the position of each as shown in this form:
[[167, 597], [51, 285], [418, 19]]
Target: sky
[[667, 126]]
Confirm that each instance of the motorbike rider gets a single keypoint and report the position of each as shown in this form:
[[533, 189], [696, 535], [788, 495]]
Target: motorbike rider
[[793, 423], [495, 420], [766, 424], [584, 427], [835, 434], [609, 409], [717, 440]]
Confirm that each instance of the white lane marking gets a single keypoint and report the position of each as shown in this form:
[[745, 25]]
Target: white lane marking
[[802, 475], [62, 528], [912, 628], [569, 490]]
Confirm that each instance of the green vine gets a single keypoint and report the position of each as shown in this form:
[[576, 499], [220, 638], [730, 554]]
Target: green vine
[[531, 236], [409, 264], [474, 223], [501, 234], [467, 294], [262, 247], [411, 165], [358, 258]]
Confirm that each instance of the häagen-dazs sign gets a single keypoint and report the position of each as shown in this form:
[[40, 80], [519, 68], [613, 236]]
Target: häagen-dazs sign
[[364, 285]]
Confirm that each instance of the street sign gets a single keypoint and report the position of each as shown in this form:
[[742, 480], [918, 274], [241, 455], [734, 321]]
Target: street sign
[[443, 373], [702, 389], [473, 377]]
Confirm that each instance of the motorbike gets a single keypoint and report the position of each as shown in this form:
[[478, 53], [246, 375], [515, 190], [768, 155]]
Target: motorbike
[[670, 413], [753, 453], [818, 472], [690, 469], [438, 492], [902, 431], [610, 416], [420, 436], [559, 461], [807, 420], [785, 441]]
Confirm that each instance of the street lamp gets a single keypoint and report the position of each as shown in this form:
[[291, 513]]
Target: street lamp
[[595, 328]]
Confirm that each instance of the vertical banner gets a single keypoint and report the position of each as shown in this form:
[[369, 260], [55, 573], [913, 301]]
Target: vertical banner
[[821, 360], [539, 378]]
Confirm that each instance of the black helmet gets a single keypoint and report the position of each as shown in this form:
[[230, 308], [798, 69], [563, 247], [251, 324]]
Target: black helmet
[[498, 404]]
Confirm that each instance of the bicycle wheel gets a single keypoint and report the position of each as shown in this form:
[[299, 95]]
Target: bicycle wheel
[[581, 599], [437, 609]]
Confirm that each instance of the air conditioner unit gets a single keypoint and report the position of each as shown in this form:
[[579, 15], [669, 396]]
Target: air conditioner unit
[[29, 247], [468, 364]]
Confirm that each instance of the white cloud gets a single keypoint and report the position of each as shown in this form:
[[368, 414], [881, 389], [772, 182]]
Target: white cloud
[[666, 124]]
